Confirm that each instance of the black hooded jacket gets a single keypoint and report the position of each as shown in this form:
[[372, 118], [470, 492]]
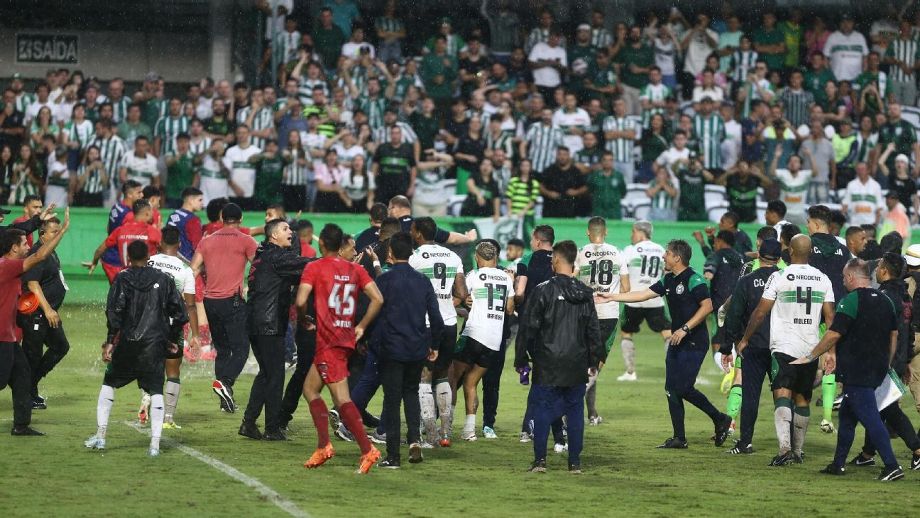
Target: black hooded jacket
[[563, 339], [896, 290], [829, 256], [274, 273], [145, 311]]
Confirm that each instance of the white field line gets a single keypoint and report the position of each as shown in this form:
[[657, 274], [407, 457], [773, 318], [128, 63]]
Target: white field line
[[273, 496]]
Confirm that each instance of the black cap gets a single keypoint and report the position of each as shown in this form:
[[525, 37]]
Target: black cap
[[231, 212], [4, 211], [770, 250], [892, 194], [846, 16]]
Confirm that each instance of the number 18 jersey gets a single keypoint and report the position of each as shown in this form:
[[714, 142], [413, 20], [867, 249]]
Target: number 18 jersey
[[441, 266], [799, 292], [336, 283], [645, 261], [600, 266], [490, 289]]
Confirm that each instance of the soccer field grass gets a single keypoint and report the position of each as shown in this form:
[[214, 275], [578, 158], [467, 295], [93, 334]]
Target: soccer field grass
[[624, 474]]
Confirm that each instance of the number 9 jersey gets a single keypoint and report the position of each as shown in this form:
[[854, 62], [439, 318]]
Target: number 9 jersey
[[441, 266], [336, 284], [645, 261], [600, 265], [490, 289]]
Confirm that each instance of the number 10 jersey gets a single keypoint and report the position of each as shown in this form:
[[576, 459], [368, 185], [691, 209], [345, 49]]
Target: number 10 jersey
[[645, 261]]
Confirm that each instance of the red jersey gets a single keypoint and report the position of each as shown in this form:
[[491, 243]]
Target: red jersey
[[23, 219], [10, 288], [336, 283], [225, 254], [214, 226], [134, 231], [306, 250], [157, 218]]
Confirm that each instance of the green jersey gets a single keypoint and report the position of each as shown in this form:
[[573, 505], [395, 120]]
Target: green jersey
[[607, 188], [692, 204]]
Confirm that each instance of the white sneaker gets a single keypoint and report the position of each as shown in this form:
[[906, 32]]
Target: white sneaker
[[468, 435], [525, 437], [559, 448], [596, 420], [627, 377], [827, 426], [425, 445], [95, 443], [153, 452], [489, 433]]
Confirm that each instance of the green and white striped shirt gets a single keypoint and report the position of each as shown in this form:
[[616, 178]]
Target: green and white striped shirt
[[542, 142], [622, 148], [663, 200], [263, 119], [710, 132], [286, 45], [112, 151], [387, 24], [502, 141], [167, 128], [653, 93], [82, 133], [382, 134], [374, 109], [120, 108], [201, 147], [601, 38], [907, 51], [23, 101], [537, 35], [305, 89], [294, 173], [93, 183], [796, 105]]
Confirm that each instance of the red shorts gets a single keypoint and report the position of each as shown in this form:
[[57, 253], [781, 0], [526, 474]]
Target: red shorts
[[111, 270], [332, 363]]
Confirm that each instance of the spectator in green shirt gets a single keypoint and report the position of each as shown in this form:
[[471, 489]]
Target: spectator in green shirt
[[792, 33], [770, 42], [180, 171], [439, 72], [817, 77], [607, 188], [635, 59], [328, 40], [271, 164]]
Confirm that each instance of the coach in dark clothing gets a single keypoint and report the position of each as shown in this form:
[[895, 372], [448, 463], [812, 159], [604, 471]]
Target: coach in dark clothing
[[403, 343], [368, 236], [828, 255], [44, 327], [756, 361], [276, 269], [565, 347], [865, 333], [722, 268]]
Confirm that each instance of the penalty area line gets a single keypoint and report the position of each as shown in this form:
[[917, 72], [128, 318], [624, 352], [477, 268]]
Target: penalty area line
[[273, 496]]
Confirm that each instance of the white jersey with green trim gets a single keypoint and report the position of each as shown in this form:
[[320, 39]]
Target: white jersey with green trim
[[799, 291], [645, 262], [441, 266], [490, 288], [599, 265], [177, 269]]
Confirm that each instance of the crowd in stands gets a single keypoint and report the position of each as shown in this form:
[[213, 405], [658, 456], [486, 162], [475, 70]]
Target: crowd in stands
[[516, 115]]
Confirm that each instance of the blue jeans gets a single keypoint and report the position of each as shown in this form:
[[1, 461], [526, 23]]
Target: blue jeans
[[859, 406], [367, 385], [682, 364], [551, 403]]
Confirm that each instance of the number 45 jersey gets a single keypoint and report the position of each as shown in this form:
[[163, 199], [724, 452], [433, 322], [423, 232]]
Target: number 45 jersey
[[600, 266], [441, 266], [336, 284], [490, 289], [798, 291], [645, 261]]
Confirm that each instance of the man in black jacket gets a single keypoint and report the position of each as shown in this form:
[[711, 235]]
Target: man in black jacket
[[860, 345], [757, 360], [403, 343], [145, 318], [828, 254], [276, 269], [565, 347]]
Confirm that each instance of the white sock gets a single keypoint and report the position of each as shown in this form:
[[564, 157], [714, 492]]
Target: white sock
[[171, 398], [426, 402], [156, 420], [103, 409], [445, 406], [782, 419], [799, 428], [470, 424], [628, 348]]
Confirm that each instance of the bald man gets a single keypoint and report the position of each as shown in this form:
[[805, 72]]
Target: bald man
[[796, 298]]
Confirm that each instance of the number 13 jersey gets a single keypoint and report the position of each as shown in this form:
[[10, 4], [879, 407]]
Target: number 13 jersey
[[645, 261], [600, 266], [441, 266], [490, 289], [798, 292], [336, 284]]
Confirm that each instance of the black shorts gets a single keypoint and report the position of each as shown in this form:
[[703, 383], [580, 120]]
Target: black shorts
[[150, 382], [800, 379], [471, 352], [656, 318], [608, 328], [446, 343]]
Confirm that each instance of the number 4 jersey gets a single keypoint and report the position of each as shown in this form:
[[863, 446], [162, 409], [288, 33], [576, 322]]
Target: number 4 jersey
[[441, 266], [799, 292], [336, 283], [600, 266], [645, 261], [490, 288]]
